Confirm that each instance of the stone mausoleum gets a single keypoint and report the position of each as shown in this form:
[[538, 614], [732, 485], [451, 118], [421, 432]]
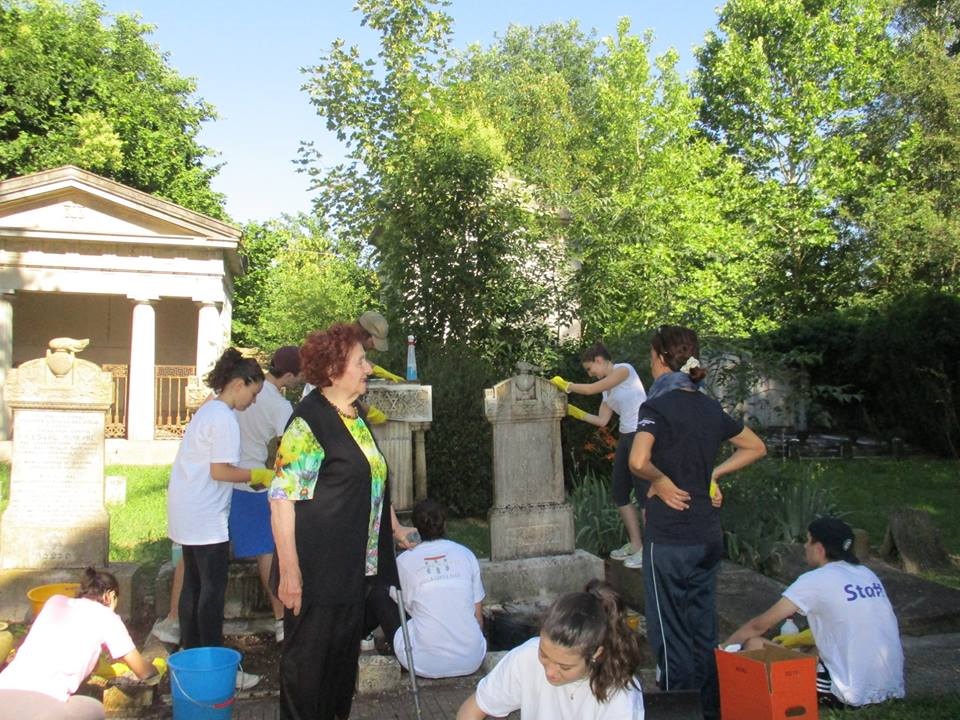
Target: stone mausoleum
[[147, 281]]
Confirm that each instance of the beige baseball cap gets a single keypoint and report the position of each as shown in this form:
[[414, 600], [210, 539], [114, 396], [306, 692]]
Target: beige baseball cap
[[375, 324]]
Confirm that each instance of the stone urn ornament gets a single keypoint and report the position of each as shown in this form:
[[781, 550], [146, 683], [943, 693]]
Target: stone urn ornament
[[525, 381], [62, 352]]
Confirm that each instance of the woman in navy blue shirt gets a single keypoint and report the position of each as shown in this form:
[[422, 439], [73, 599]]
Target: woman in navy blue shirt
[[679, 432]]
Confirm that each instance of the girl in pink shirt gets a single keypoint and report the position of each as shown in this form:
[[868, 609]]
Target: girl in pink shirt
[[62, 648]]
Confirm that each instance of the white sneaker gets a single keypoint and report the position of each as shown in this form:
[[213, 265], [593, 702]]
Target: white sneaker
[[278, 630], [367, 643], [167, 630], [245, 681], [622, 553], [635, 561]]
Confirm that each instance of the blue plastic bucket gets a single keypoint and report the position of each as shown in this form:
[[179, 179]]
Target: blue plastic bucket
[[203, 681]]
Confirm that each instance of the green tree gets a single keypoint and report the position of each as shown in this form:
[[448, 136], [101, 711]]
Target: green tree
[[297, 280], [459, 242], [598, 130], [785, 86], [910, 207], [75, 89]]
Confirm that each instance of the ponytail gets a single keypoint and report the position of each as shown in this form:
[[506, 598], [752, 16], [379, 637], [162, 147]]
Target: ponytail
[[595, 620], [617, 665], [231, 365]]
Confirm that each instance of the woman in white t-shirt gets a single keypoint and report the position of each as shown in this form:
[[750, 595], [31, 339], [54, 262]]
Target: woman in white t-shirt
[[198, 498], [623, 394], [581, 667], [62, 648]]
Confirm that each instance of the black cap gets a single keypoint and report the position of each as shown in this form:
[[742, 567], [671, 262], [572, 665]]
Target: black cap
[[285, 360], [836, 537]]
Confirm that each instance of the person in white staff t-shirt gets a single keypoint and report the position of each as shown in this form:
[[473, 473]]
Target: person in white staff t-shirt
[[850, 616]]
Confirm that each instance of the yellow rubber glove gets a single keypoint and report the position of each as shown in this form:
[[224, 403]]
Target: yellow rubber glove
[[260, 478], [800, 639], [119, 669], [386, 374], [160, 664], [561, 384], [104, 668], [714, 489], [576, 413], [376, 416]]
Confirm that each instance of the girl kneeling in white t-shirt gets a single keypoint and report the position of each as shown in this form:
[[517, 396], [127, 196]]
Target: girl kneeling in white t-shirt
[[587, 657]]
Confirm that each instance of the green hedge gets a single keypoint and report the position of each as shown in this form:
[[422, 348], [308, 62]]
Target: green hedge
[[903, 358], [459, 443]]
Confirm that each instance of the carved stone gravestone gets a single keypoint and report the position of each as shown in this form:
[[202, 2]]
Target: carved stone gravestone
[[530, 516], [56, 517]]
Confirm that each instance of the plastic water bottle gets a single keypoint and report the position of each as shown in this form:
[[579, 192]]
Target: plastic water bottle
[[789, 627], [411, 359]]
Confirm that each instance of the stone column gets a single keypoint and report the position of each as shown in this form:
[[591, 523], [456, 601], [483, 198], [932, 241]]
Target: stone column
[[141, 405], [409, 408], [209, 337], [6, 357]]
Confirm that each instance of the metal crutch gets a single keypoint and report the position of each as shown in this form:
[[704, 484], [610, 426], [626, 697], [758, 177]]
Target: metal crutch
[[408, 649]]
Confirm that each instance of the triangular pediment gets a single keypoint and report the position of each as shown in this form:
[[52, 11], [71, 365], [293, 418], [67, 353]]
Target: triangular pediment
[[70, 201]]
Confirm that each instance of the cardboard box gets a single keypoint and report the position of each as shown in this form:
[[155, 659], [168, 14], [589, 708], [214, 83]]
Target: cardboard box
[[769, 684]]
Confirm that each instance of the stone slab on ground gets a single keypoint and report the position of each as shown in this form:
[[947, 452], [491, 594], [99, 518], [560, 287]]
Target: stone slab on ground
[[932, 664], [923, 607], [742, 594], [542, 578], [626, 581]]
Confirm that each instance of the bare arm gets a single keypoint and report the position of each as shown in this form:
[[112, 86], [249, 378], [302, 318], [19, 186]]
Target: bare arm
[[140, 667], [400, 532], [283, 523], [779, 611], [749, 449], [601, 418], [470, 710], [660, 484], [478, 613], [616, 376], [225, 472]]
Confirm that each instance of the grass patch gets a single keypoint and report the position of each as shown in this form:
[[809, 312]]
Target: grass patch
[[867, 490], [472, 532], [946, 707], [138, 528]]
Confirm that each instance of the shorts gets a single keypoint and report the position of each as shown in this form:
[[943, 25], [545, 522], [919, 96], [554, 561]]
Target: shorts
[[249, 524], [623, 480], [825, 694]]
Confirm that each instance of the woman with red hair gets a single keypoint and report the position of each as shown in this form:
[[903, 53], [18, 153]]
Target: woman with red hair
[[333, 526]]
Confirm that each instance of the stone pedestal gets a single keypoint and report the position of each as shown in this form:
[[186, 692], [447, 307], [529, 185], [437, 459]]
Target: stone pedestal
[[56, 517], [409, 408], [530, 516]]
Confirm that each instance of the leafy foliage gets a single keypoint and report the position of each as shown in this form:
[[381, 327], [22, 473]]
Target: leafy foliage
[[767, 506], [596, 520], [785, 87], [77, 90], [460, 439], [297, 280]]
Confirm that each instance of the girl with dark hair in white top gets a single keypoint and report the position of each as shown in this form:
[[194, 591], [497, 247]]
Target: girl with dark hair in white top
[[623, 394]]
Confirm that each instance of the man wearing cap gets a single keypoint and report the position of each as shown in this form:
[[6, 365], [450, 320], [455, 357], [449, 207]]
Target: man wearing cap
[[376, 328], [260, 425], [850, 616]]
